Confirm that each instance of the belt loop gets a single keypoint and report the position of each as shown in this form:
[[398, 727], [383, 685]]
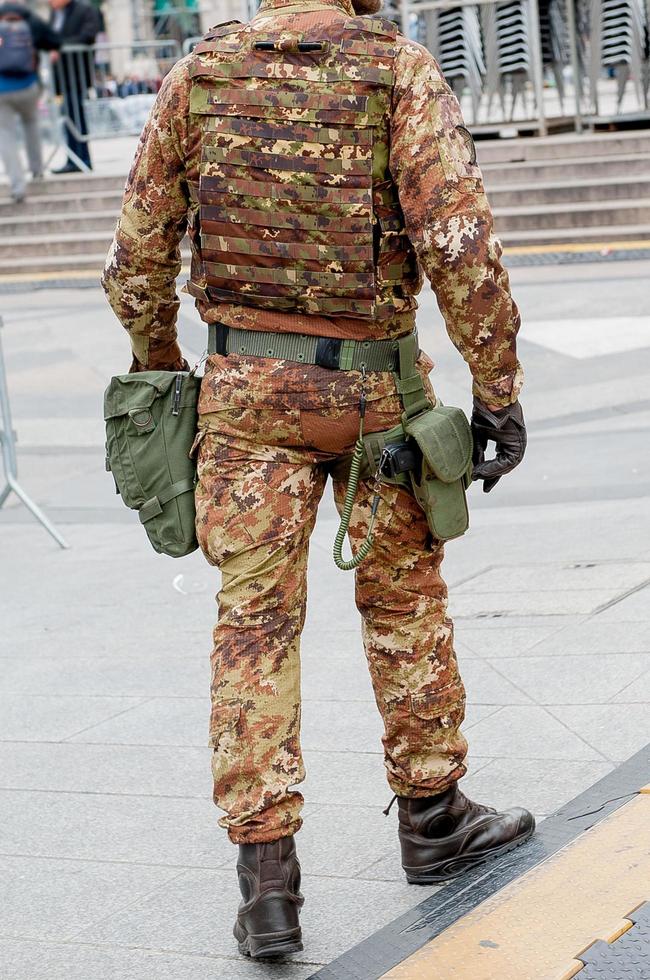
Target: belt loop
[[217, 336]]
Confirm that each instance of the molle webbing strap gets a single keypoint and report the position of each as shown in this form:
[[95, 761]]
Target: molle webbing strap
[[296, 136], [153, 506], [408, 379], [343, 355]]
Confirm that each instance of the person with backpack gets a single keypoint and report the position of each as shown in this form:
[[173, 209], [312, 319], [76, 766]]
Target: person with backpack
[[22, 35]]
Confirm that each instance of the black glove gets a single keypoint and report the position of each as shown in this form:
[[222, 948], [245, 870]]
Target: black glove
[[505, 427]]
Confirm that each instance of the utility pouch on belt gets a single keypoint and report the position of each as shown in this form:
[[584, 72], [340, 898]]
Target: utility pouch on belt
[[151, 421], [444, 469], [443, 438]]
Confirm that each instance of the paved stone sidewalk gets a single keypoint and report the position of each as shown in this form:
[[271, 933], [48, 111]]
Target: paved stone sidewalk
[[111, 861]]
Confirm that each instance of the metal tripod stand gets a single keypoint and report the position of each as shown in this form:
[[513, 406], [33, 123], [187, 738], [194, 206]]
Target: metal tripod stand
[[8, 444]]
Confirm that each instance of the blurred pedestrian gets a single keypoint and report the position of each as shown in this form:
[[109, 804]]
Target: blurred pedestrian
[[75, 23], [22, 35]]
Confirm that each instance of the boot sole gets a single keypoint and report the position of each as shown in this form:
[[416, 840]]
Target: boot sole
[[458, 866], [270, 946]]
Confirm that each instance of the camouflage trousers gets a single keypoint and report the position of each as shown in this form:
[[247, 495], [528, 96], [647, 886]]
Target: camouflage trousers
[[270, 435]]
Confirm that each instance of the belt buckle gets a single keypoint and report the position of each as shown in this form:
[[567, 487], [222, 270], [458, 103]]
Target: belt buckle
[[328, 352]]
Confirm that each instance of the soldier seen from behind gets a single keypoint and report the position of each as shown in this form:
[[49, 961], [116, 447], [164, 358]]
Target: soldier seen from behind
[[320, 164]]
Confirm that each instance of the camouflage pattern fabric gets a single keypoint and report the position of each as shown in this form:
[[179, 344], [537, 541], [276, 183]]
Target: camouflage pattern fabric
[[440, 190], [297, 208], [265, 449], [271, 431]]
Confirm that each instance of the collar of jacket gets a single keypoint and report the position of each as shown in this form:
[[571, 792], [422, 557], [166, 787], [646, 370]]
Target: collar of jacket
[[268, 5]]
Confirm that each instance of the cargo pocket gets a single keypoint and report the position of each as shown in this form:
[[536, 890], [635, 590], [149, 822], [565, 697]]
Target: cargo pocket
[[437, 710], [224, 721]]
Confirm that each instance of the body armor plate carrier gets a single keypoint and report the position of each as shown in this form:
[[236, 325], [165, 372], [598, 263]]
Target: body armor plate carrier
[[297, 208]]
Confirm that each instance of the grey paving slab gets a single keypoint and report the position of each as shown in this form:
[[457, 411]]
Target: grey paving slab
[[502, 642], [342, 840], [540, 785], [637, 690], [487, 684], [341, 727], [194, 914], [611, 576], [634, 608], [95, 827], [114, 620], [334, 668], [159, 721], [140, 770], [617, 731], [47, 898], [125, 674], [25, 716], [529, 732], [354, 778], [566, 602], [21, 959], [574, 680], [592, 636]]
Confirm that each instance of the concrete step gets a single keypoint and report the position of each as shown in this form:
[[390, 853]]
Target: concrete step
[[91, 262], [569, 192], [528, 171], [62, 243], [57, 224], [62, 205], [75, 183], [564, 147], [533, 197], [583, 214], [608, 236]]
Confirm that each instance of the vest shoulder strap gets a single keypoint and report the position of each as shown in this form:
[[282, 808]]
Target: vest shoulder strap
[[221, 30], [373, 25]]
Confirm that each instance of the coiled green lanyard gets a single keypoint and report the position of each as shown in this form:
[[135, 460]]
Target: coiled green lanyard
[[350, 494]]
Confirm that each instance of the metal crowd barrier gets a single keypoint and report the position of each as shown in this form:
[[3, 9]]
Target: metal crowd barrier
[[106, 90], [521, 63], [9, 461]]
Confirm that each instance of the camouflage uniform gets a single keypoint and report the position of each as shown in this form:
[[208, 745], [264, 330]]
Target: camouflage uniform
[[271, 431]]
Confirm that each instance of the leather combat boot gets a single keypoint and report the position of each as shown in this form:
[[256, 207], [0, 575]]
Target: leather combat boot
[[269, 880], [443, 836]]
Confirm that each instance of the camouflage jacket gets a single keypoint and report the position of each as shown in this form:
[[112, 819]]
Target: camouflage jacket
[[441, 193]]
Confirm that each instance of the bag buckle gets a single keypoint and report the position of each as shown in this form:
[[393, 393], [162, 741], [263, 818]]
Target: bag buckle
[[328, 352]]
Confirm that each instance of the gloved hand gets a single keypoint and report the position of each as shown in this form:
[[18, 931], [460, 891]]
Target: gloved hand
[[505, 427]]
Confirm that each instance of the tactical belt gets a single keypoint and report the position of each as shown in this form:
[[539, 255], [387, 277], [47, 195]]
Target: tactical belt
[[327, 352]]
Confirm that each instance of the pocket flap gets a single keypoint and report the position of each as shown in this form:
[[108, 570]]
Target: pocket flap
[[433, 704], [225, 716], [445, 439], [128, 392]]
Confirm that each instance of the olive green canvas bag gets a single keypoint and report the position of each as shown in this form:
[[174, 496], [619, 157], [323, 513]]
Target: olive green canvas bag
[[444, 472], [444, 438], [151, 421]]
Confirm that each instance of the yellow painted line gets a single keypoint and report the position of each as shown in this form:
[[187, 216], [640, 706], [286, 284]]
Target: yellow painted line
[[536, 927], [575, 967], [645, 789], [47, 276], [575, 247], [620, 930], [72, 275]]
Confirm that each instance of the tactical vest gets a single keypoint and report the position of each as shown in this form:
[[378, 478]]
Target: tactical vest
[[297, 208]]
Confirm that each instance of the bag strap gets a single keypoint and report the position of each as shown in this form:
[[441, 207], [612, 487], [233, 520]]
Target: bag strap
[[154, 506], [408, 379]]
